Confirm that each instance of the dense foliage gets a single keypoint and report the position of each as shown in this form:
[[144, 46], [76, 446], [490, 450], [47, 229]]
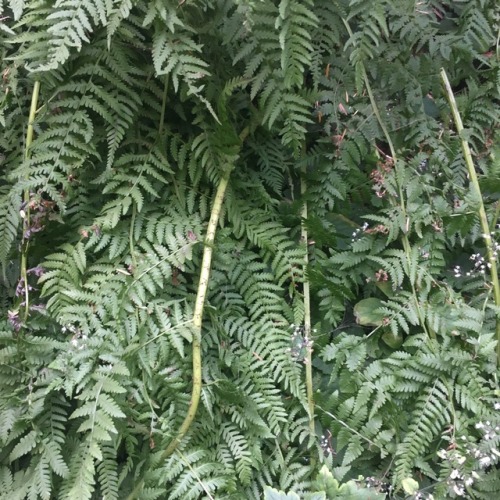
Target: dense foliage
[[324, 129]]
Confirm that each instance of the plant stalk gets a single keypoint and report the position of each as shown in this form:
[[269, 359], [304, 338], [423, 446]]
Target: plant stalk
[[200, 304], [307, 311], [477, 191], [26, 198]]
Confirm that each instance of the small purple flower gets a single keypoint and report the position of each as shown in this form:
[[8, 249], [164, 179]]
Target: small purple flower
[[35, 228], [20, 288], [38, 307], [37, 271], [14, 320]]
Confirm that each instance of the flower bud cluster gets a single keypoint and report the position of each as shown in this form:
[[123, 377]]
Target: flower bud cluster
[[378, 176], [35, 213], [423, 166]]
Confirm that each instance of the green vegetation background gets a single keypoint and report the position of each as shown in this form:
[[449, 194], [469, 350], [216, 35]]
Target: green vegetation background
[[303, 157]]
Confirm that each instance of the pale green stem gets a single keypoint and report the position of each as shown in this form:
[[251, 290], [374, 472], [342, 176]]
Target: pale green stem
[[26, 222], [404, 239], [495, 217], [354, 431], [153, 339], [307, 311], [196, 326], [198, 315], [198, 318], [492, 264], [131, 236], [195, 474], [163, 106]]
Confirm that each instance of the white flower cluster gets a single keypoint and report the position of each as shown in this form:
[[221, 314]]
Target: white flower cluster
[[79, 339], [458, 480], [467, 459], [301, 343], [326, 444], [480, 264], [491, 432], [378, 484], [356, 233], [423, 496]]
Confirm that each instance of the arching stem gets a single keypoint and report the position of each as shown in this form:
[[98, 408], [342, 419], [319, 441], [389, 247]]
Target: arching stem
[[198, 315], [477, 191], [196, 327], [206, 265]]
